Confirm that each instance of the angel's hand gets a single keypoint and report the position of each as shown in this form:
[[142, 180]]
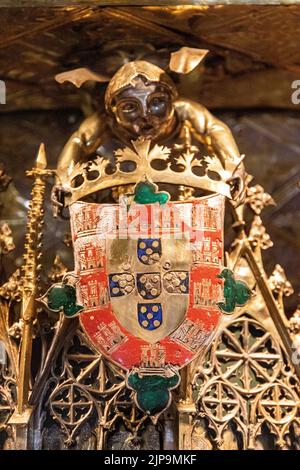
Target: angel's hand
[[238, 186], [58, 195]]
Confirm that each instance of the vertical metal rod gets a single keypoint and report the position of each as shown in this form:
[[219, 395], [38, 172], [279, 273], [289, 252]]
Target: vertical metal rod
[[30, 274]]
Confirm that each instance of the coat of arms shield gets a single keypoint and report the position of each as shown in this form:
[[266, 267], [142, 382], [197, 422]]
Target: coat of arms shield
[[148, 278], [150, 286]]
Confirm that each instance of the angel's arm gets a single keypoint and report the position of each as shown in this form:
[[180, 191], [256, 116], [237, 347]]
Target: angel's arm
[[82, 143], [216, 134]]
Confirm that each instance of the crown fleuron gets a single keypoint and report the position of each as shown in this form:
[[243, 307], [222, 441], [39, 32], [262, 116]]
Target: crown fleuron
[[141, 161]]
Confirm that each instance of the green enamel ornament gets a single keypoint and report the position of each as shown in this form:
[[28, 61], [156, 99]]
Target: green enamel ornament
[[236, 293], [62, 297], [147, 193], [152, 391]]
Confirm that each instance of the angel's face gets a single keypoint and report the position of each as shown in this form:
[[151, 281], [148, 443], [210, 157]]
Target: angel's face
[[145, 109]]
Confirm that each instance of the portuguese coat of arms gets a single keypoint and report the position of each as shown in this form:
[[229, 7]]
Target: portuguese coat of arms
[[149, 283]]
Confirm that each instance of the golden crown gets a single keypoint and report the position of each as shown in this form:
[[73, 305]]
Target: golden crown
[[155, 164]]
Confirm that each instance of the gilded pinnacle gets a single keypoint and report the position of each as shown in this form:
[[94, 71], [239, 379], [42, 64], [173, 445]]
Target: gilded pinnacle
[[41, 160]]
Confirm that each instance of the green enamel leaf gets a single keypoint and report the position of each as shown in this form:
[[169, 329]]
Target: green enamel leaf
[[63, 297], [146, 193], [236, 293], [153, 391]]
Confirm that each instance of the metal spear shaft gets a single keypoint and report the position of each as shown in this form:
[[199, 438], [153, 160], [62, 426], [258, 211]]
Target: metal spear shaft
[[31, 270]]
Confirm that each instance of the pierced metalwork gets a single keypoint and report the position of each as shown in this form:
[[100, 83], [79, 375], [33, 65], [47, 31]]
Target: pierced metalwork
[[247, 354], [85, 390], [246, 385]]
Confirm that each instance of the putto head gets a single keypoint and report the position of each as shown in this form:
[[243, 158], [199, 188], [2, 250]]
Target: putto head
[[140, 98]]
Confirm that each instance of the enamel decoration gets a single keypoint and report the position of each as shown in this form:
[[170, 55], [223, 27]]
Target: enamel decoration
[[149, 285], [149, 282]]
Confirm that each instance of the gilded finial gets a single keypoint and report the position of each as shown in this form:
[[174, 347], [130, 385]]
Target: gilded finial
[[31, 271], [41, 159]]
